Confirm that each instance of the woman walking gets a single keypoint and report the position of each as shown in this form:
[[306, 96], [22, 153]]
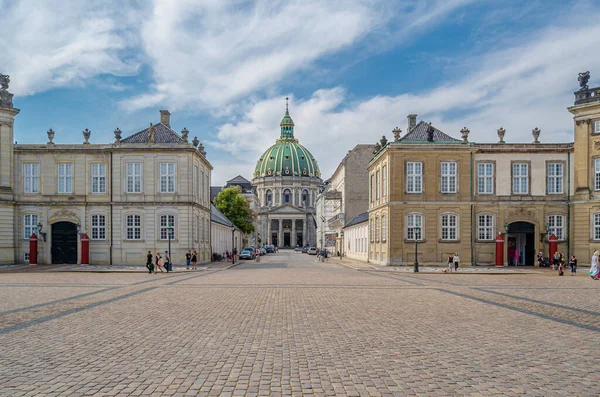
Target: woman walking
[[594, 269], [450, 262], [573, 264], [149, 264], [456, 261], [160, 263], [556, 260], [168, 264], [194, 259], [188, 260]]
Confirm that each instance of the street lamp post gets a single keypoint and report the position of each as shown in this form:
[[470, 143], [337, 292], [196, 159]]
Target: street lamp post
[[417, 231], [232, 248], [169, 232]]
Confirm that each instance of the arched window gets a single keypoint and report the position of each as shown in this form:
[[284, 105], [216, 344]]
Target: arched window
[[305, 197], [383, 229], [377, 229], [287, 196], [268, 197]]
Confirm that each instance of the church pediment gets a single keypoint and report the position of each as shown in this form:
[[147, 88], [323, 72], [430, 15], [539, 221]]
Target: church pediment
[[287, 209]]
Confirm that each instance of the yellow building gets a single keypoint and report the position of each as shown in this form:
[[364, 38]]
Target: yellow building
[[450, 195]]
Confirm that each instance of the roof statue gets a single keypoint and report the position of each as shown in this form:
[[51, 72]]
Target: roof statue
[[583, 80], [5, 96], [4, 81]]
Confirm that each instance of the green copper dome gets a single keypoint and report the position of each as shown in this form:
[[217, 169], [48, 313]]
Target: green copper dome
[[287, 157]]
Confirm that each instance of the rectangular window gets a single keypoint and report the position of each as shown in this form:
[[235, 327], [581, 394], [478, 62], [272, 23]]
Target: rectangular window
[[449, 177], [597, 127], [65, 178], [167, 227], [26, 256], [383, 229], [206, 188], [555, 178], [520, 178], [99, 178], [449, 227], [30, 222], [485, 178], [372, 188], [134, 177], [31, 178], [167, 177], [134, 227], [414, 227], [197, 228], [98, 227], [384, 182], [378, 185], [596, 226], [195, 181], [596, 174], [377, 229], [485, 227], [372, 234], [414, 177], [557, 226]]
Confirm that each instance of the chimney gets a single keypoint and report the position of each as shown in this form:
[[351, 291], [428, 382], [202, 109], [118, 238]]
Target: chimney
[[412, 121], [165, 118]]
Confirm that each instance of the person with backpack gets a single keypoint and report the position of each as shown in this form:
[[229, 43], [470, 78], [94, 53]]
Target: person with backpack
[[160, 263], [149, 264]]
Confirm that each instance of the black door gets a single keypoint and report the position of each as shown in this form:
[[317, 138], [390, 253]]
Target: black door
[[64, 243]]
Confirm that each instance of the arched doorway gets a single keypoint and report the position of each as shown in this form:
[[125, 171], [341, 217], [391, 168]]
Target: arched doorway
[[64, 243], [520, 244]]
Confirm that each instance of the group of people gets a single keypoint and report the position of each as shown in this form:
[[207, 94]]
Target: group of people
[[558, 262], [164, 264], [453, 261]]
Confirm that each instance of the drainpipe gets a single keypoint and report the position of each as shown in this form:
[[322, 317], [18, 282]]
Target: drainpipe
[[569, 204], [471, 199]]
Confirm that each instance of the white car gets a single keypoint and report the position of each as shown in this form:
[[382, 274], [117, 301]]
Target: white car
[[312, 251]]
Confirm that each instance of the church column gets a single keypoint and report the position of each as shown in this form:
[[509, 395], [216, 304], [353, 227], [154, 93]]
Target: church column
[[293, 236], [280, 236], [268, 236], [304, 239]]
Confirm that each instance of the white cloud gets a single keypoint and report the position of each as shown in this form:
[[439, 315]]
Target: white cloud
[[525, 86], [49, 44]]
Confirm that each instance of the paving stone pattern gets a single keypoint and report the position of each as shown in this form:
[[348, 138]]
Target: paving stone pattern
[[292, 326]]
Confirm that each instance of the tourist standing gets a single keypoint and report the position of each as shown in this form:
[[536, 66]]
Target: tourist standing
[[188, 260], [540, 259], [168, 264], [149, 264], [573, 264], [456, 260], [555, 260], [594, 269], [194, 259], [450, 263]]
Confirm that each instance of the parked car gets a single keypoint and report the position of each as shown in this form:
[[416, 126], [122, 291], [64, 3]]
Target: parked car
[[270, 248], [247, 253], [298, 249], [262, 251], [304, 250], [312, 251]]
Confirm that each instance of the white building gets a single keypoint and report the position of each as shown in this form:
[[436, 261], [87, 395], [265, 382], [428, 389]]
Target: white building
[[223, 233], [356, 238]]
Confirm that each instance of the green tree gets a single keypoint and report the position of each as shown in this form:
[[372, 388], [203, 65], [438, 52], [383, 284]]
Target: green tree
[[235, 207]]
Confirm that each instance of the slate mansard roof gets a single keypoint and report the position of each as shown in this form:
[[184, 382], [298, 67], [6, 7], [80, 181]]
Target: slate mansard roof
[[364, 217], [217, 216], [419, 134], [162, 134]]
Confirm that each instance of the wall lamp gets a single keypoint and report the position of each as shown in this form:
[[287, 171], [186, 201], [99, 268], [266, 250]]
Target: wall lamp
[[39, 226]]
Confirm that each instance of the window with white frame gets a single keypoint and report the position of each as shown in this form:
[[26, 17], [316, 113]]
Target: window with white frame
[[449, 226], [377, 229], [414, 227], [201, 185], [414, 177], [167, 227], [597, 127], [99, 178], [520, 178], [134, 177], [485, 227], [98, 227], [133, 225], [372, 187], [26, 256], [485, 178], [555, 178], [195, 180], [377, 185], [596, 226], [383, 229], [206, 188], [556, 226], [449, 177], [384, 180], [65, 177], [596, 174], [167, 177], [31, 178], [30, 222]]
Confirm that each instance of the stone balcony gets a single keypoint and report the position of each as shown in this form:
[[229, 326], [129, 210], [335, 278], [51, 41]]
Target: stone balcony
[[587, 95], [337, 220]]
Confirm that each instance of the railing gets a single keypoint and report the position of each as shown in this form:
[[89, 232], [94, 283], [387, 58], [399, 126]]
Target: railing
[[337, 218], [587, 95]]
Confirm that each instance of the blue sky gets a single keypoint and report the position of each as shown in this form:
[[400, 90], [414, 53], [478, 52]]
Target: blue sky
[[353, 70]]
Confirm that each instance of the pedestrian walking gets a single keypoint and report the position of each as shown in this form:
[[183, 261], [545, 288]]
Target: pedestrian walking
[[573, 264], [555, 260], [450, 262], [168, 264], [456, 260], [188, 260], [149, 264], [594, 268], [540, 259], [160, 263], [194, 259], [227, 255]]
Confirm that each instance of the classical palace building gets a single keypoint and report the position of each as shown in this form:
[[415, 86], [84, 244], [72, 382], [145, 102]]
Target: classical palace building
[[124, 195], [450, 195], [286, 180]]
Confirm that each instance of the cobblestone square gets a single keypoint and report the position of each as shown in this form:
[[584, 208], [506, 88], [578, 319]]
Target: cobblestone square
[[292, 326]]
